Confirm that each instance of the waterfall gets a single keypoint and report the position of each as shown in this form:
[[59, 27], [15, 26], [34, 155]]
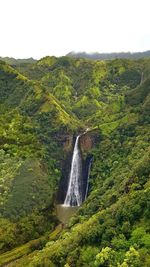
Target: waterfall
[[74, 192]]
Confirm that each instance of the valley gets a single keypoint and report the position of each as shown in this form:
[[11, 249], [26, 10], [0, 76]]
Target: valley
[[45, 105]]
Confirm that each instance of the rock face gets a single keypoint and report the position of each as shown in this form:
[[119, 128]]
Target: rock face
[[86, 142], [68, 146]]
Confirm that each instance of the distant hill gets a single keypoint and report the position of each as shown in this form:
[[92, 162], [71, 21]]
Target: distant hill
[[12, 61], [106, 56], [96, 56]]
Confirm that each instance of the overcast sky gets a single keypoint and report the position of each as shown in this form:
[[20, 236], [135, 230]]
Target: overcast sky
[[36, 28]]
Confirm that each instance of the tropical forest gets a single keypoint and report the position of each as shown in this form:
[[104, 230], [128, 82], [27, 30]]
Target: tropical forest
[[75, 162]]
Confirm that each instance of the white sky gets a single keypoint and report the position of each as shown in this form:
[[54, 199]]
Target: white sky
[[36, 28]]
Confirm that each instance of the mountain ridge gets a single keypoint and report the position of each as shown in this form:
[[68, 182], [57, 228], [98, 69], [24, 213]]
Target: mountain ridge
[[92, 55], [14, 61], [109, 56]]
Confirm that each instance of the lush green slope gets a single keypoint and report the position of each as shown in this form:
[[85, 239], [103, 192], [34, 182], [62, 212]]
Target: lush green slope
[[86, 86], [32, 124], [40, 105]]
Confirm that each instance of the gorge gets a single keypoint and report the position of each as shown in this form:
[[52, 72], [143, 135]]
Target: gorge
[[45, 162]]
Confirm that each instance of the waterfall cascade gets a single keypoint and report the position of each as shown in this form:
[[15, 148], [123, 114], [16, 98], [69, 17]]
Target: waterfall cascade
[[74, 192]]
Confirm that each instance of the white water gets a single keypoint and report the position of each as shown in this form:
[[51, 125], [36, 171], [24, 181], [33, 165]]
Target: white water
[[74, 193]]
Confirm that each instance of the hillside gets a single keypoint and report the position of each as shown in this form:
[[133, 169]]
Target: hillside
[[43, 106], [33, 124], [13, 61]]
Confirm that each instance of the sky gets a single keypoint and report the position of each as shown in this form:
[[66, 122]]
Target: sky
[[37, 28]]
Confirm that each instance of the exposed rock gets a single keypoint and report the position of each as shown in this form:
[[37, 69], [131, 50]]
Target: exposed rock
[[86, 142]]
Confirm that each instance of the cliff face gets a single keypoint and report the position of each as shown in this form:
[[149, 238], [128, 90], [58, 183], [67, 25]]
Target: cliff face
[[68, 144], [89, 139], [86, 143]]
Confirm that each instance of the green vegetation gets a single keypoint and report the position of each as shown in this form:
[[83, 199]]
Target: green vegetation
[[44, 103]]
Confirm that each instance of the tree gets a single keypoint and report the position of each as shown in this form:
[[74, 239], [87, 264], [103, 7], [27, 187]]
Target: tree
[[105, 257], [132, 258]]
